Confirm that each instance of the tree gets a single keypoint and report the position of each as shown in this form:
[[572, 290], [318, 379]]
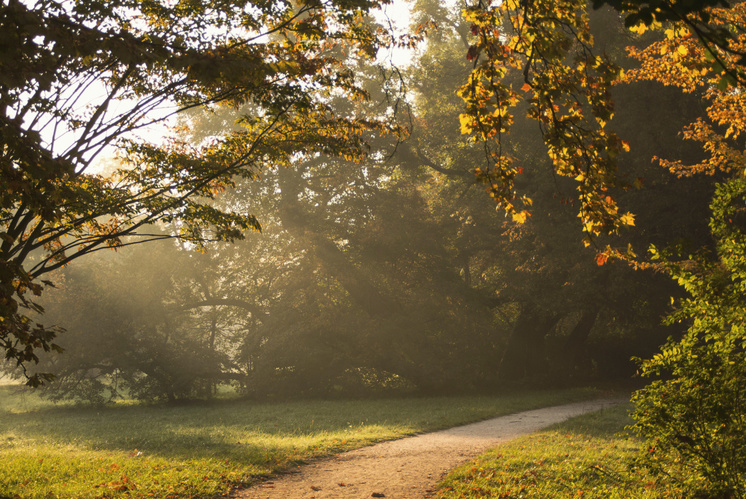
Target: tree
[[343, 292], [692, 416], [395, 270], [128, 333], [78, 78], [556, 314], [702, 21], [567, 91]]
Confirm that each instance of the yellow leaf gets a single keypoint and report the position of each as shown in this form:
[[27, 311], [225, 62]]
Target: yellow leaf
[[521, 216], [682, 50], [627, 219], [466, 123]]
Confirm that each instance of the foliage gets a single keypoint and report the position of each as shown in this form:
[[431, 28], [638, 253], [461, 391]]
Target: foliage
[[556, 315], [395, 276], [567, 91], [81, 77], [703, 20], [204, 450], [128, 331], [558, 76], [694, 416], [326, 301], [678, 61], [548, 46]]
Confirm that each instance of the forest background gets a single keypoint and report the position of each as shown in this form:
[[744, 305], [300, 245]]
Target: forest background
[[397, 273]]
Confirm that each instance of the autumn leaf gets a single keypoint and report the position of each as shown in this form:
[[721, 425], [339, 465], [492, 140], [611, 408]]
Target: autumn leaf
[[627, 219], [521, 216], [466, 123]]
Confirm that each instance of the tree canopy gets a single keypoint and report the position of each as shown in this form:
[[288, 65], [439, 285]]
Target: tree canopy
[[393, 274], [80, 78]]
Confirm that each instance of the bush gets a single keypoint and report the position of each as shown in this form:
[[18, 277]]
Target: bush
[[694, 417]]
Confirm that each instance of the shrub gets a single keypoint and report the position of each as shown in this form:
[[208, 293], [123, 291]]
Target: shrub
[[694, 415]]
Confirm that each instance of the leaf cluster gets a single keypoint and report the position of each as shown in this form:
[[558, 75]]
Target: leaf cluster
[[567, 90]]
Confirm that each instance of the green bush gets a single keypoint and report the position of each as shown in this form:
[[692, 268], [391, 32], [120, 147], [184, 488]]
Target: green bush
[[694, 415]]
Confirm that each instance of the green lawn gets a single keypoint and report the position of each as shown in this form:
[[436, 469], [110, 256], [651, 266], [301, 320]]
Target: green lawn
[[584, 457], [203, 450]]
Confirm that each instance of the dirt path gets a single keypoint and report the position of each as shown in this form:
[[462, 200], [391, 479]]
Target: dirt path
[[410, 467]]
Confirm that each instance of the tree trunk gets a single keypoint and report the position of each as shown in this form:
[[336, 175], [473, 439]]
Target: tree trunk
[[525, 355], [574, 356]]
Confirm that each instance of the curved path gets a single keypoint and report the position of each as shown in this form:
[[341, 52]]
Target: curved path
[[410, 467]]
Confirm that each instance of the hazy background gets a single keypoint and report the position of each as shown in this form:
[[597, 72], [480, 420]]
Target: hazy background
[[394, 276]]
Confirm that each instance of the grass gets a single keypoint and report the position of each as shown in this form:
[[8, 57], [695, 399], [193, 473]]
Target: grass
[[587, 456], [204, 450]]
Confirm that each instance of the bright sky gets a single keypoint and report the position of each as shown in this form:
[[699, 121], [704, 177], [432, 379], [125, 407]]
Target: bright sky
[[397, 14]]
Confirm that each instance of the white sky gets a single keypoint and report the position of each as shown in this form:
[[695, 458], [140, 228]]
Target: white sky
[[398, 15]]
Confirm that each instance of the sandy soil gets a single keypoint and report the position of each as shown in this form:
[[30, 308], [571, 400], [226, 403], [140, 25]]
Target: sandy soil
[[408, 468]]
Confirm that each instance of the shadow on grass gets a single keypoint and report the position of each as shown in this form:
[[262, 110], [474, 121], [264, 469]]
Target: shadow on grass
[[237, 430]]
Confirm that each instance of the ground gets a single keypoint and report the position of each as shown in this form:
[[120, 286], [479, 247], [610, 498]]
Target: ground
[[411, 467]]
